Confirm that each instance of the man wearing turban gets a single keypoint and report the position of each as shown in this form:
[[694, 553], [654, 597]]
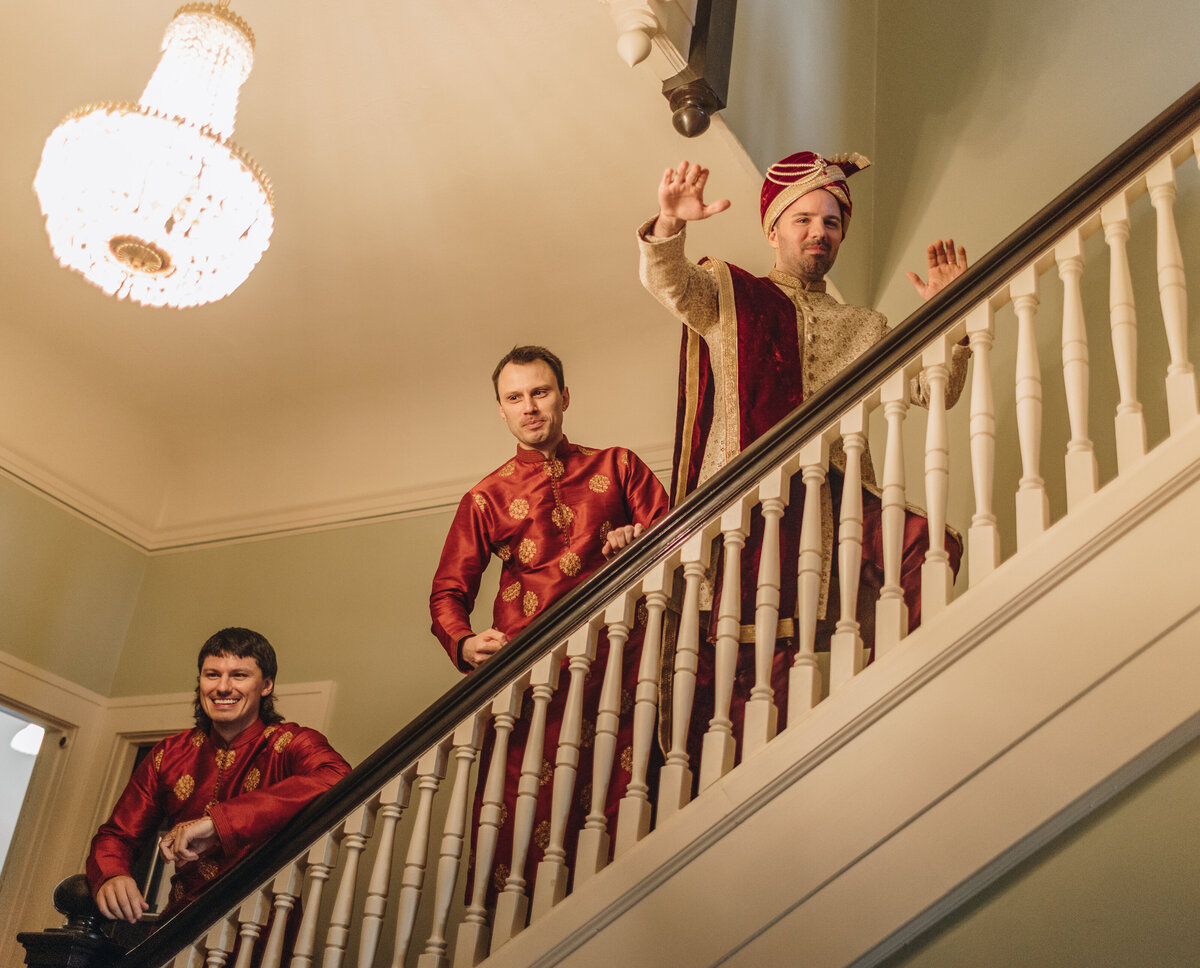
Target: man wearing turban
[[754, 348]]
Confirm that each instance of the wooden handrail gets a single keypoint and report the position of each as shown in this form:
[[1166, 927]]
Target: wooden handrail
[[992, 271]]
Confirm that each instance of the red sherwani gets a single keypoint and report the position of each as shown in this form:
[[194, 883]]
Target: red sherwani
[[250, 788], [546, 520]]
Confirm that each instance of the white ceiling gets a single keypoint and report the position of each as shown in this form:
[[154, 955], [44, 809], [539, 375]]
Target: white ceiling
[[451, 178]]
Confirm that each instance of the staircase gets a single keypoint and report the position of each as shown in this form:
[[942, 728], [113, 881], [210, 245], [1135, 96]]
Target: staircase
[[1058, 668]]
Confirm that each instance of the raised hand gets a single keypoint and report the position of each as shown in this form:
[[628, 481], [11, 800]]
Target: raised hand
[[945, 265], [681, 199]]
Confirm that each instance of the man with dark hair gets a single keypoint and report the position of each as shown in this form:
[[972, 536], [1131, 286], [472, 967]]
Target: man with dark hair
[[223, 787], [551, 514]]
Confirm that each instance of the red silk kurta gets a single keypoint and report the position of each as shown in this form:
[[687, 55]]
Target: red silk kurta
[[250, 788], [546, 520]]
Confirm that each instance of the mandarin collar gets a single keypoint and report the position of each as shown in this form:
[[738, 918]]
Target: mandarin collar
[[247, 735], [788, 281], [529, 456]]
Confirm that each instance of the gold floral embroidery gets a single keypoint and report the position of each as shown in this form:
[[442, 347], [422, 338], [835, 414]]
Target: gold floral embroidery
[[282, 742], [511, 592], [554, 468], [526, 551], [519, 508], [504, 552], [627, 759], [541, 835], [529, 604], [562, 516], [209, 870], [225, 758], [641, 615], [570, 564], [177, 891], [604, 529], [585, 797], [198, 738], [587, 451], [253, 778], [546, 774], [503, 815], [507, 469], [184, 787], [158, 755], [623, 458], [626, 701], [479, 502], [599, 483], [269, 730], [500, 877]]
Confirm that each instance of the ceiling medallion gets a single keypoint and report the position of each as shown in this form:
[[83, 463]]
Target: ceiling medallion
[[151, 201]]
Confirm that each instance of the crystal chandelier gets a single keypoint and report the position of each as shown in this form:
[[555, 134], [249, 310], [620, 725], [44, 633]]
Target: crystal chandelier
[[152, 201]]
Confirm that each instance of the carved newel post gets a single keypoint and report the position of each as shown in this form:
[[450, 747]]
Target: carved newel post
[[78, 943]]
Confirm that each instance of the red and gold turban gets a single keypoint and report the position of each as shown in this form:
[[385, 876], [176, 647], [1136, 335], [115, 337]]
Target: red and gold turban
[[803, 172]]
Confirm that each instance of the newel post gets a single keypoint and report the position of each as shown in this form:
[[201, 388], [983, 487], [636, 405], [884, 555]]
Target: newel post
[[78, 943]]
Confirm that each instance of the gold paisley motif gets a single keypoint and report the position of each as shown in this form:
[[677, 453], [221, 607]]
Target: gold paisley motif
[[184, 787], [518, 509], [479, 501], [623, 458], [225, 758], [158, 758], [599, 483], [541, 835], [570, 564], [269, 730], [282, 742], [587, 451], [253, 778], [546, 773], [554, 468], [627, 759], [511, 592], [198, 738], [562, 516], [529, 604], [504, 552], [526, 551], [641, 615], [500, 877], [503, 815], [507, 469], [209, 870]]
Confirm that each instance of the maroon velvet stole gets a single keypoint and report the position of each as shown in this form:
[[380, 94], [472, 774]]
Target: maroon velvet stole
[[761, 373]]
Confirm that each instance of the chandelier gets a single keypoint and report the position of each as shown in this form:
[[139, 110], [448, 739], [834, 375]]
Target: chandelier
[[151, 201]]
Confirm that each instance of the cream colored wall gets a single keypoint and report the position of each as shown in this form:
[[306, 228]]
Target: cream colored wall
[[67, 589]]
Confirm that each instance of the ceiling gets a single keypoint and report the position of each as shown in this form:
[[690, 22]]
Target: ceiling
[[450, 179]]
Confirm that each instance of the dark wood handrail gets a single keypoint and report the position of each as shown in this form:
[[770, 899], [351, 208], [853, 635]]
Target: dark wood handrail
[[564, 616]]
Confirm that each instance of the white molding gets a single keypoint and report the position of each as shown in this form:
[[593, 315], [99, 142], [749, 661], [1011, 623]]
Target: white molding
[[341, 512]]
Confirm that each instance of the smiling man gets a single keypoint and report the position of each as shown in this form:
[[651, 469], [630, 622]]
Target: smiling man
[[551, 514], [222, 787]]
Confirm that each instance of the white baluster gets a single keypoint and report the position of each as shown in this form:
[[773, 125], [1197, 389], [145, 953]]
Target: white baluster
[[284, 889], [390, 804], [675, 778], [638, 24], [937, 577], [1172, 294], [1130, 423], [1081, 455], [190, 957], [220, 941], [891, 613], [474, 934], [804, 678], [252, 915], [1033, 509], [466, 741], [355, 833], [716, 758], [761, 720], [431, 770], [550, 887], [633, 814], [320, 861], [594, 840], [512, 905], [983, 539], [846, 654]]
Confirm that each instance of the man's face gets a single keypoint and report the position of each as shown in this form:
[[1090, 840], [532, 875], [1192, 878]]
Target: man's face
[[807, 235], [532, 404], [231, 690]]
